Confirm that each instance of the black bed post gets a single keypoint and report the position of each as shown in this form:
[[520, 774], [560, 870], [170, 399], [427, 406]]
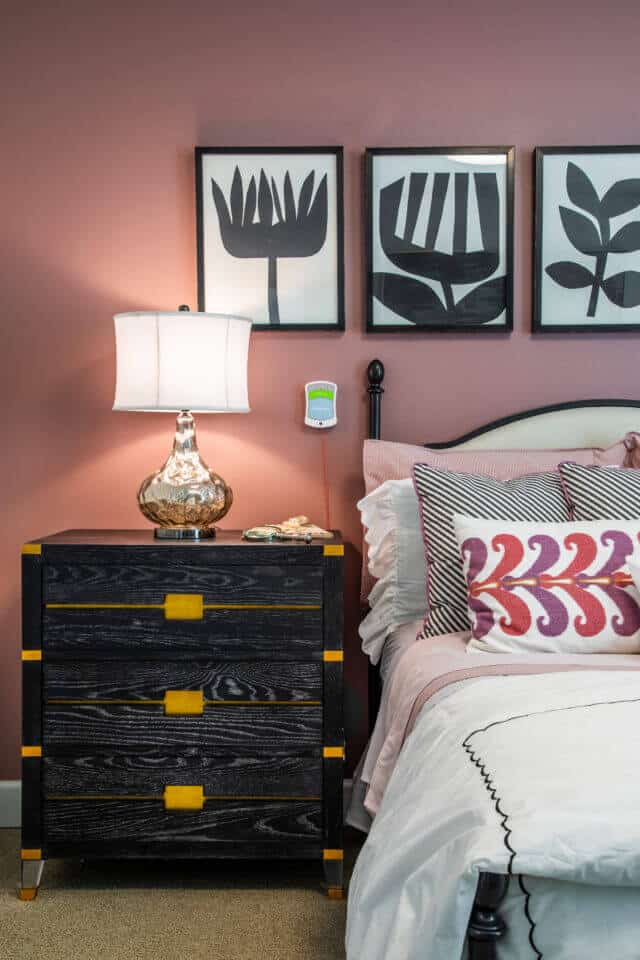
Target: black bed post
[[375, 376], [486, 926]]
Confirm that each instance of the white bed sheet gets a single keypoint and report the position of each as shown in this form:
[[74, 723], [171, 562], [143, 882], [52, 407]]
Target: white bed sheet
[[565, 912], [439, 823]]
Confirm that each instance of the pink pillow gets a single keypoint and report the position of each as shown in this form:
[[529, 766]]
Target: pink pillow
[[632, 450], [384, 460]]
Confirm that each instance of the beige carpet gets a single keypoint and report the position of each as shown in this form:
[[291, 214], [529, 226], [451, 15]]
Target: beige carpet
[[181, 911]]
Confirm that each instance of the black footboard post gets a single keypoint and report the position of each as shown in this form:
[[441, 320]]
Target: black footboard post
[[486, 926]]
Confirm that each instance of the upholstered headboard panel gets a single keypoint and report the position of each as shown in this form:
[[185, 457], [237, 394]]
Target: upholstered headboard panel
[[586, 423]]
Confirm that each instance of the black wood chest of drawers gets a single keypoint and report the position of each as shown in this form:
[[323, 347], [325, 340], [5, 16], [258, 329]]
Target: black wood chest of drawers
[[181, 700]]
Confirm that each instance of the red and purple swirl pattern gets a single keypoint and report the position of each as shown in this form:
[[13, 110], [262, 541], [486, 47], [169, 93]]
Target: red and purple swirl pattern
[[552, 584]]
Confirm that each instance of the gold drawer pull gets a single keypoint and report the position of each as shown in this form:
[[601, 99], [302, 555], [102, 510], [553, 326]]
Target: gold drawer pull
[[183, 703], [183, 606], [183, 798]]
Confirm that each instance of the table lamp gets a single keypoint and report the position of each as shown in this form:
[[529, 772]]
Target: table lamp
[[185, 363]]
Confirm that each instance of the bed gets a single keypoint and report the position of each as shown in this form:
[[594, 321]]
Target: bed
[[504, 884]]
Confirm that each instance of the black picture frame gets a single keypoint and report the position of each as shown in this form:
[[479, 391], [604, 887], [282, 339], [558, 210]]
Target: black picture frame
[[370, 157], [540, 323], [335, 152]]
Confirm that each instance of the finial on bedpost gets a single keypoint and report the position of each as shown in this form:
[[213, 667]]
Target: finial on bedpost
[[486, 926], [375, 376]]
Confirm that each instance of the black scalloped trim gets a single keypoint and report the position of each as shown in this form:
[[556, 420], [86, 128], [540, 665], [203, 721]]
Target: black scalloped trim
[[504, 823], [491, 788]]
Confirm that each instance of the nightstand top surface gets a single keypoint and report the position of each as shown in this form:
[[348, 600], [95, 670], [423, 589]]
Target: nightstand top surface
[[145, 538]]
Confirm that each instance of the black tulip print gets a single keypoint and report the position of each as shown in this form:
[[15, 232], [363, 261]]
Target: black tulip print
[[299, 229], [417, 301], [591, 236]]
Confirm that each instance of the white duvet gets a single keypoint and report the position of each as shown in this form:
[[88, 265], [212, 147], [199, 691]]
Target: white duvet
[[535, 776]]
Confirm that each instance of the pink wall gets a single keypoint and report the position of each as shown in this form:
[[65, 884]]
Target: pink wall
[[102, 106]]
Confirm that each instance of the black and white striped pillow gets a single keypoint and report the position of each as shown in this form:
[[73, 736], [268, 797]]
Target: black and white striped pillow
[[601, 493], [441, 493]]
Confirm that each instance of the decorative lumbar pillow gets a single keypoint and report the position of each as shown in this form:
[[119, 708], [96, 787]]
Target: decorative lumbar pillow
[[601, 493], [441, 494], [396, 559], [551, 587]]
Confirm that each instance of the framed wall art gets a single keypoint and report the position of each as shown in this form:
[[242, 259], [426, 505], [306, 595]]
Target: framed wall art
[[270, 235], [587, 240], [439, 239]]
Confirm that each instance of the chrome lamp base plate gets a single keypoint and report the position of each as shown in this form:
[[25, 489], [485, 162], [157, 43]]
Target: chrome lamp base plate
[[184, 533]]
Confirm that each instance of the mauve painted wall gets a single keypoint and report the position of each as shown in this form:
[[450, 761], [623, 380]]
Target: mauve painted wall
[[102, 106]]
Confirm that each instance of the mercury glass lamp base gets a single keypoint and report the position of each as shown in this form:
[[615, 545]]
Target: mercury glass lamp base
[[184, 498], [184, 533]]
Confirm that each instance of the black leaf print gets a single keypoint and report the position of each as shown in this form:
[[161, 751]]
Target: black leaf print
[[582, 192], [581, 232], [486, 301], [623, 289], [627, 239], [250, 204], [306, 192], [621, 198], [265, 201], [570, 275], [595, 240], [411, 299]]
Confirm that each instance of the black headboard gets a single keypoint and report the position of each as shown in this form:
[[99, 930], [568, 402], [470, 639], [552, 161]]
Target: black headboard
[[626, 409]]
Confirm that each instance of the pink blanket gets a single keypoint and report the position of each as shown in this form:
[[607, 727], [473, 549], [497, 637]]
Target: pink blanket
[[430, 665]]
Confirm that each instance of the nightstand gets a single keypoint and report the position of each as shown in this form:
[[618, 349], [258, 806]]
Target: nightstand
[[181, 700]]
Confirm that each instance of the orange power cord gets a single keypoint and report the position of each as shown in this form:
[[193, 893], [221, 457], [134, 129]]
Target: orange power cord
[[325, 481]]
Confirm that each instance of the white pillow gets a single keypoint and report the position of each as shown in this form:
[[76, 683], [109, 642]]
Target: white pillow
[[559, 588], [396, 558]]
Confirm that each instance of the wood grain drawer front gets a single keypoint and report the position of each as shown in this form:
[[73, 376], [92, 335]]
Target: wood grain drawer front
[[272, 634], [220, 822], [248, 730], [219, 681], [148, 773], [138, 583]]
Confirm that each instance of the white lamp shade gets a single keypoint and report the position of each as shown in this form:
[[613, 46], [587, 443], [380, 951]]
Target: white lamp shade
[[181, 361]]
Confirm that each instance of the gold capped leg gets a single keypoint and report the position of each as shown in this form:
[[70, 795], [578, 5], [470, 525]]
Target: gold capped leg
[[27, 893], [335, 893], [30, 877]]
